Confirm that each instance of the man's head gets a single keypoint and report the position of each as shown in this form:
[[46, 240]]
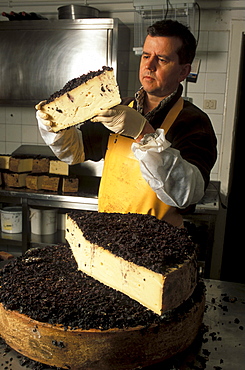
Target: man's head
[[168, 52], [171, 28]]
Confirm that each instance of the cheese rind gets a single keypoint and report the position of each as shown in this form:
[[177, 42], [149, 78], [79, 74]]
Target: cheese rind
[[83, 102], [158, 292]]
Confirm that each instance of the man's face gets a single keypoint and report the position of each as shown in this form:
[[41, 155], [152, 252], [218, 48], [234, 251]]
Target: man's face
[[160, 72]]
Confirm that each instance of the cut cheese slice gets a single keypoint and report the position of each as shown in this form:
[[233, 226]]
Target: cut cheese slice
[[4, 161], [57, 167], [157, 291], [96, 91]]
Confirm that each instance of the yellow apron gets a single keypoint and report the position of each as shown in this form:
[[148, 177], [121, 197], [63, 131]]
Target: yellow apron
[[122, 187]]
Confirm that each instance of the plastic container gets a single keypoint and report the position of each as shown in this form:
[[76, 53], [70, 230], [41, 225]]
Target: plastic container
[[11, 220], [43, 221]]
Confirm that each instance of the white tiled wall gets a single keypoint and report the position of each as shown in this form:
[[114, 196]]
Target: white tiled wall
[[211, 84], [18, 126]]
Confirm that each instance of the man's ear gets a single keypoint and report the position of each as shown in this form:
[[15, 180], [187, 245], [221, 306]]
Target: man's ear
[[185, 70]]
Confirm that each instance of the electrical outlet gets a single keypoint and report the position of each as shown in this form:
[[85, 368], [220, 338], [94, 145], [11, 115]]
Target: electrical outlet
[[209, 104]]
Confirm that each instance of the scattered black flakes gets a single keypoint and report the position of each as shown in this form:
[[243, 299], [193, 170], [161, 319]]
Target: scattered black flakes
[[241, 327], [236, 321], [206, 352], [81, 302], [75, 82], [224, 308]]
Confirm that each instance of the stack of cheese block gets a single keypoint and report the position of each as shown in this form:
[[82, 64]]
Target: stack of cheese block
[[37, 173]]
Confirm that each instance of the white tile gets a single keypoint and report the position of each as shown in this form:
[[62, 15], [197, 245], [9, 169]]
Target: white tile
[[2, 115], [218, 41], [203, 65], [13, 133], [217, 122], [11, 147], [215, 168], [2, 131], [29, 134], [217, 62], [215, 82], [203, 41], [197, 99], [220, 98], [28, 116], [3, 147], [13, 115], [219, 137], [199, 86]]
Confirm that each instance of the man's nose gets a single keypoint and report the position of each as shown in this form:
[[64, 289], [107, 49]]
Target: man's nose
[[151, 64]]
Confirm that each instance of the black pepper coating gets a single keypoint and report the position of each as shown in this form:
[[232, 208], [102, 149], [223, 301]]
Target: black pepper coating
[[75, 82], [141, 239], [46, 285]]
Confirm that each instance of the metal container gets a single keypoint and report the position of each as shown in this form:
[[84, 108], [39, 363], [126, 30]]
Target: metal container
[[77, 12], [38, 58]]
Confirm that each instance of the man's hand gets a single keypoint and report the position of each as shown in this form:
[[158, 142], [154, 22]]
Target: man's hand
[[122, 120], [43, 118]]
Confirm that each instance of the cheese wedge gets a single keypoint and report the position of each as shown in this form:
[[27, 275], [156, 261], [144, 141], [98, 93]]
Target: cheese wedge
[[157, 291], [73, 105]]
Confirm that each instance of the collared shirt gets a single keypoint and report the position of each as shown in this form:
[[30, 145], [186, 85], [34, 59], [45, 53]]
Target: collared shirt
[[140, 96]]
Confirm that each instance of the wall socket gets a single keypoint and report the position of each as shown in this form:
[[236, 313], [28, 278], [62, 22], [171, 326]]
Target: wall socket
[[209, 104]]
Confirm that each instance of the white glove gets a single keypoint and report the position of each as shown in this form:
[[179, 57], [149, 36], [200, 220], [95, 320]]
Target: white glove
[[176, 182], [67, 145], [122, 120]]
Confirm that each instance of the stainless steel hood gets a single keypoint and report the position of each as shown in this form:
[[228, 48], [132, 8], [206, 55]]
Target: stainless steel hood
[[38, 57]]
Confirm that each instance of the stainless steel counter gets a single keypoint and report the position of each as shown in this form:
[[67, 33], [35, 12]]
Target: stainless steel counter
[[222, 346]]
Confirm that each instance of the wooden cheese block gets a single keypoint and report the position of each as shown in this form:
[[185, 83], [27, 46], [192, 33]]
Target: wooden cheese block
[[4, 161], [70, 185], [58, 167], [120, 349], [50, 183], [34, 182], [4, 256], [20, 164], [40, 165], [15, 180]]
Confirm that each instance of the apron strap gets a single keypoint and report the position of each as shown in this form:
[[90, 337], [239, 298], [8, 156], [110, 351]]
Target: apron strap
[[171, 116]]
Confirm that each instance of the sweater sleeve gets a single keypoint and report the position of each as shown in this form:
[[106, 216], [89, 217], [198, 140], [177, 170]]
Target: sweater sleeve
[[193, 135]]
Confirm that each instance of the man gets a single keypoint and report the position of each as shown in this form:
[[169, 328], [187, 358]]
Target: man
[[158, 155]]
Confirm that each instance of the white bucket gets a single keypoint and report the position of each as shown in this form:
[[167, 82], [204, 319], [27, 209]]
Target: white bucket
[[43, 221], [11, 220]]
